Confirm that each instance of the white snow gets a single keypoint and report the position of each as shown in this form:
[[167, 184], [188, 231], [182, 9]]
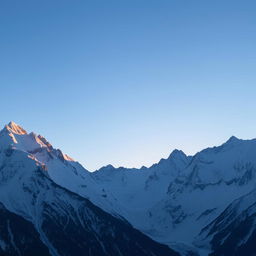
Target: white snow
[[171, 201]]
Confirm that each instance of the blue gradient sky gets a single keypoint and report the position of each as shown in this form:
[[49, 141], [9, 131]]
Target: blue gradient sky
[[125, 82]]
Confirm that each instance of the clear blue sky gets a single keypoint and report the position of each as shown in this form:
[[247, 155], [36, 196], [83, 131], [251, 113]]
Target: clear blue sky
[[125, 82]]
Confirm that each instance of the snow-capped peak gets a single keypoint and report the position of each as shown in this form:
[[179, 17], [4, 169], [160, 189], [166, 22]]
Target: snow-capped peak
[[177, 154], [15, 128], [177, 158], [14, 136], [108, 167], [177, 194], [232, 139]]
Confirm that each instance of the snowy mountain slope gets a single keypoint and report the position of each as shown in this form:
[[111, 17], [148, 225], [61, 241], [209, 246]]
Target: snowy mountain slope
[[61, 168], [67, 223], [18, 236], [176, 201], [233, 232], [132, 186], [171, 201]]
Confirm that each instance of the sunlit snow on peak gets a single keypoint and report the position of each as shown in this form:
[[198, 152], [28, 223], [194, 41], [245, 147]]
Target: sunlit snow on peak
[[15, 128]]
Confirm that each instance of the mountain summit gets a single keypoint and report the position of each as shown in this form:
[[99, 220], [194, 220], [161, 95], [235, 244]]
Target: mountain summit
[[45, 207], [15, 128], [176, 199], [196, 205]]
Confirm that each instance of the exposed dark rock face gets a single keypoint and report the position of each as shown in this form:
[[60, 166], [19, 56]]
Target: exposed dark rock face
[[18, 236]]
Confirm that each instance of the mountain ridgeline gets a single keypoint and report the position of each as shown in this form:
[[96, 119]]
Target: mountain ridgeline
[[184, 205]]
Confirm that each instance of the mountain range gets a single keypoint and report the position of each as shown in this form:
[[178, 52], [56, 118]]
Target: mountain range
[[183, 205]]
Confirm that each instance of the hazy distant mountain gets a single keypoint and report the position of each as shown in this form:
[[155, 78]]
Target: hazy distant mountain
[[176, 200], [197, 205]]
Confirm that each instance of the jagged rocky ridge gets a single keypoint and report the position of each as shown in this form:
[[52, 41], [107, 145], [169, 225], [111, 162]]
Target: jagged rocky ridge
[[174, 200], [194, 204], [40, 217]]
